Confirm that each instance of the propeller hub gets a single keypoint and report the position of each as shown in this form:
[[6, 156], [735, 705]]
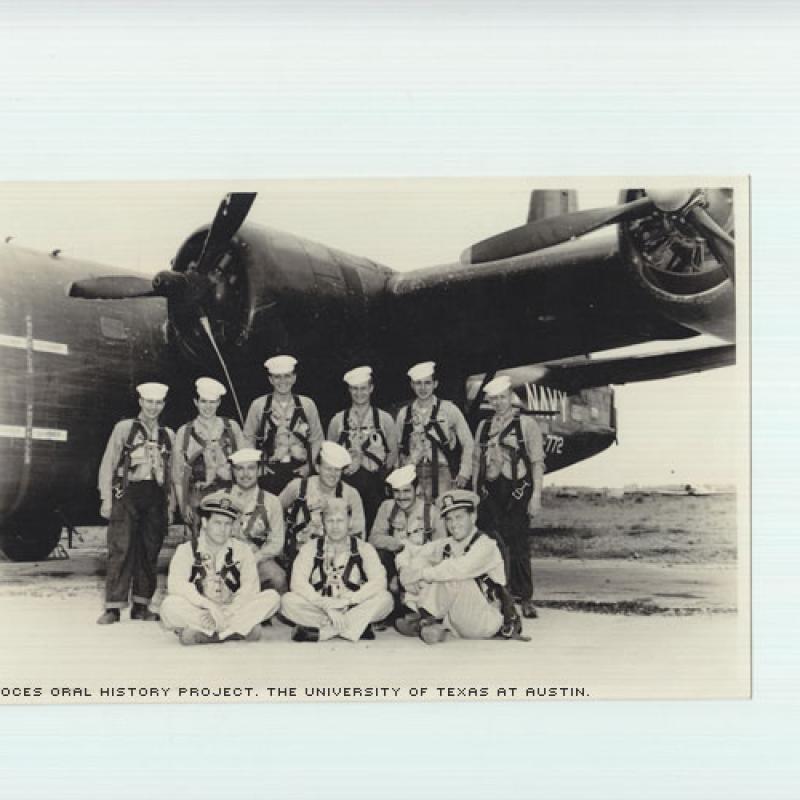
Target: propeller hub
[[670, 200]]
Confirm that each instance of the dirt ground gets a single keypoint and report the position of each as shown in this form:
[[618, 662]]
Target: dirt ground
[[658, 528]]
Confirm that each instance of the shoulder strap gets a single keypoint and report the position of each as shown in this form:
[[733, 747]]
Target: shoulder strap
[[408, 426], [318, 567], [262, 425], [355, 562], [426, 521]]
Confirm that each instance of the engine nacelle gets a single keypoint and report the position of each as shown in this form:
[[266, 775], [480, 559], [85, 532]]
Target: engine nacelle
[[675, 267], [269, 291]]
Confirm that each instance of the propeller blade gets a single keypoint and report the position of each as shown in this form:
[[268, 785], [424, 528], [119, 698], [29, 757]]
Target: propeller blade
[[721, 244], [112, 287], [552, 231], [207, 328], [231, 213]]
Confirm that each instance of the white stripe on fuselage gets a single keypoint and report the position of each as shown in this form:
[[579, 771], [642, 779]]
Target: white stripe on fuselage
[[42, 434], [39, 345]]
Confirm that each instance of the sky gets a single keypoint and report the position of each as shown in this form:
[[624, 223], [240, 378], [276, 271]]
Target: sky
[[680, 430]]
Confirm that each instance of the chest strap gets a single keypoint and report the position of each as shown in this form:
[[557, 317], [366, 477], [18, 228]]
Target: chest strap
[[354, 562], [119, 484]]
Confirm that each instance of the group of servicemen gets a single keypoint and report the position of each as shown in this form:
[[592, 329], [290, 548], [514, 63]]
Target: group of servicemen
[[283, 521]]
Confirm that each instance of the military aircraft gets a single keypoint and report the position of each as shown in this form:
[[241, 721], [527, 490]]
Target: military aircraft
[[77, 337]]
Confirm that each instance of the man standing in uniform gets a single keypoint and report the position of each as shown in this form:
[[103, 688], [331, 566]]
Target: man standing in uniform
[[136, 498], [462, 588], [338, 584], [508, 471], [260, 520], [304, 498], [284, 426], [368, 434], [404, 523], [212, 588], [202, 448], [430, 432]]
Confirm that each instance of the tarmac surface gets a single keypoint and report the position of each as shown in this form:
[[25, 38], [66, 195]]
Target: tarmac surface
[[662, 632]]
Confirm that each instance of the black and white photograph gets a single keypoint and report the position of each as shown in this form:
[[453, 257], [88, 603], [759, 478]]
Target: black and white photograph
[[385, 439], [398, 399]]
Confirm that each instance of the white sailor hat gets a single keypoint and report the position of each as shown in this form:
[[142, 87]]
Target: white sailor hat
[[421, 371], [247, 455], [335, 455], [458, 498], [497, 386], [358, 376], [404, 476], [152, 391], [280, 365], [220, 503], [209, 389]]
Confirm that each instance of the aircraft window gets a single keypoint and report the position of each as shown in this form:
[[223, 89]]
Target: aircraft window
[[594, 412], [113, 328], [577, 412]]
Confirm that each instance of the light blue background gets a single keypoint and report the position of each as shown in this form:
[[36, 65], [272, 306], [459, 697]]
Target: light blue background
[[206, 90]]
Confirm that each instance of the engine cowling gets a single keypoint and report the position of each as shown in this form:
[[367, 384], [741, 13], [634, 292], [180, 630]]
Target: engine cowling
[[676, 268]]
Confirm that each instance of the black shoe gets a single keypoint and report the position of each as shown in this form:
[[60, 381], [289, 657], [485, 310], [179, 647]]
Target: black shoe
[[529, 609], [108, 617], [368, 635], [142, 612], [303, 634]]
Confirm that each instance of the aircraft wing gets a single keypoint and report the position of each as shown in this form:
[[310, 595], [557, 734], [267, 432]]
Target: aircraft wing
[[575, 374], [569, 300]]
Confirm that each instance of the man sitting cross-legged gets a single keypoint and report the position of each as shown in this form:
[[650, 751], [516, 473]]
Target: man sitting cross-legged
[[462, 587], [213, 587], [338, 584]]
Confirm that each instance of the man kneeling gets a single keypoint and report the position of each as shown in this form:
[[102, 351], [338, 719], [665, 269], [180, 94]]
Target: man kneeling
[[462, 588], [338, 584], [213, 587]]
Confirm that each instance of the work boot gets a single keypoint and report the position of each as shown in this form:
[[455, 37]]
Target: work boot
[[529, 609], [408, 625], [142, 612], [108, 617], [433, 633], [303, 634], [191, 636]]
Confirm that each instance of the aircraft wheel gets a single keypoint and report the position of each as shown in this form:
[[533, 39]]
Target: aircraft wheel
[[31, 536]]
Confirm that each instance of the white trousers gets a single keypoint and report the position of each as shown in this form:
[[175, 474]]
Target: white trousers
[[301, 612], [462, 606], [177, 612]]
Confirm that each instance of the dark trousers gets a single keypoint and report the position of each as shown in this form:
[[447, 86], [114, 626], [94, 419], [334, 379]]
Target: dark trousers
[[136, 531], [507, 517], [280, 475], [371, 486]]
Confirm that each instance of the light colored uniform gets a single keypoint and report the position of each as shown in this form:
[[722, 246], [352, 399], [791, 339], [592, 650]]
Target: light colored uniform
[[369, 436], [369, 600], [415, 426], [356, 431], [315, 498], [243, 607], [448, 588], [200, 462], [289, 439], [502, 448], [261, 527]]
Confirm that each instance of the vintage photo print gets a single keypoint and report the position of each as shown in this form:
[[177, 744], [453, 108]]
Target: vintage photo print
[[387, 439]]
